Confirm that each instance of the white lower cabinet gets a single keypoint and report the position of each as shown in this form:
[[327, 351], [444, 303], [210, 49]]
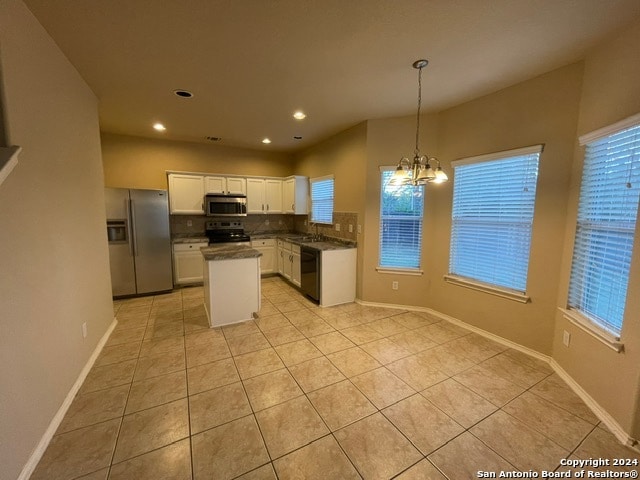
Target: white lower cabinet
[[231, 290], [187, 263], [268, 262], [280, 256], [338, 276], [295, 265], [288, 256]]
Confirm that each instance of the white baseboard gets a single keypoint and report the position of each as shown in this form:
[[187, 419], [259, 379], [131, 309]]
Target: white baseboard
[[598, 411], [35, 457], [613, 426], [460, 323]]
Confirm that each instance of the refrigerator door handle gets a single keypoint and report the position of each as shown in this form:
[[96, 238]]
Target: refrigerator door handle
[[132, 222], [128, 226]]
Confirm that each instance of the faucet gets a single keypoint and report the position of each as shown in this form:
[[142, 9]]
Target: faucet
[[315, 236]]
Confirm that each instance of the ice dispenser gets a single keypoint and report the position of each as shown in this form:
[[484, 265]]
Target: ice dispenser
[[117, 231]]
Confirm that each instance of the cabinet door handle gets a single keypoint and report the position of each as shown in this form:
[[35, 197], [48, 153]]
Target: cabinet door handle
[[267, 207]]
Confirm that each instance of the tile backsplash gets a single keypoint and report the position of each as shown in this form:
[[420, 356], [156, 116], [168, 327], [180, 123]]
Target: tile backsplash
[[344, 219], [194, 225], [253, 224]]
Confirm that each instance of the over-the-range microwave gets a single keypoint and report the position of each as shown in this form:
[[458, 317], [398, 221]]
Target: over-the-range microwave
[[219, 205]]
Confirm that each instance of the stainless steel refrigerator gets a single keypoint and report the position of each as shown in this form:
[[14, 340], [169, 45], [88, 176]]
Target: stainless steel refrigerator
[[139, 241]]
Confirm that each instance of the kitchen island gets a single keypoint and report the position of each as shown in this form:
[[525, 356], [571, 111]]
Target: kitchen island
[[231, 283]]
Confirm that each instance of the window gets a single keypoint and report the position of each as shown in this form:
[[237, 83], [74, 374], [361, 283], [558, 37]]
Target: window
[[493, 201], [606, 224], [401, 210], [322, 199]]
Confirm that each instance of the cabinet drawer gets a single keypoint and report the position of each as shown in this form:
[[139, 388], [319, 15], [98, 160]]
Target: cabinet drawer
[[269, 242], [188, 247], [284, 245]]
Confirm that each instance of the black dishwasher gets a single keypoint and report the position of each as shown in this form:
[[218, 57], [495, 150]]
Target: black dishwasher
[[310, 272]]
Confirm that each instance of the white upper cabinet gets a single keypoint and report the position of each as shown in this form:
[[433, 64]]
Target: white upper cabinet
[[273, 195], [255, 195], [215, 185], [236, 186], [225, 185], [186, 194], [295, 195], [264, 195]]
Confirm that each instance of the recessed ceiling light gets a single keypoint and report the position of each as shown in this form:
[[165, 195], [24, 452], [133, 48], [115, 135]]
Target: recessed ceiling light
[[297, 137], [299, 115], [266, 140], [213, 139], [183, 93], [159, 127]]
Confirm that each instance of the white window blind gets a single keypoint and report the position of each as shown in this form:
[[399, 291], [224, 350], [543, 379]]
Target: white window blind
[[606, 223], [322, 199], [401, 211], [493, 202]]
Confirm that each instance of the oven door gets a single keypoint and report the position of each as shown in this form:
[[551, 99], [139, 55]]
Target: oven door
[[226, 206]]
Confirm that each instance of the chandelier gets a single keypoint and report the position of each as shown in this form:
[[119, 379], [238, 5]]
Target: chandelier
[[420, 170]]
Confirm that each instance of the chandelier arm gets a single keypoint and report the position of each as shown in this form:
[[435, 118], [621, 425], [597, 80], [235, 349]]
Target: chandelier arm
[[405, 163]]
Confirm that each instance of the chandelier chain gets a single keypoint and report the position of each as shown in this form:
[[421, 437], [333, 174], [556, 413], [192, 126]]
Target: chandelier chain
[[417, 150]]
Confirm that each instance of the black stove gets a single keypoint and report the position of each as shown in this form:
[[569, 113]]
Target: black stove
[[226, 232]]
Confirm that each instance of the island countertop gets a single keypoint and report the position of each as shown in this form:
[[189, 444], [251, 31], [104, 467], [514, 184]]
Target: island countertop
[[228, 252]]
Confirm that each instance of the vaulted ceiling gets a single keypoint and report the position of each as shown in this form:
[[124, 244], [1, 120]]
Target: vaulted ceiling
[[251, 64]]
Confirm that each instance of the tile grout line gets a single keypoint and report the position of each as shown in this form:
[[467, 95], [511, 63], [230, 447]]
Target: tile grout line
[[337, 329]]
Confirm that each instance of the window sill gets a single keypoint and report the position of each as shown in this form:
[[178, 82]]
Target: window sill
[[400, 271], [490, 289], [592, 329]]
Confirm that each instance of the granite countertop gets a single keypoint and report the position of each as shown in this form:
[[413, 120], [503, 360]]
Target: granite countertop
[[325, 245], [306, 241], [190, 239], [229, 252]]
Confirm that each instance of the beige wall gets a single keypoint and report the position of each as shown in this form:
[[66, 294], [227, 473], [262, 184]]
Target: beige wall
[[55, 266], [542, 110], [389, 140], [136, 162], [609, 94], [343, 155]]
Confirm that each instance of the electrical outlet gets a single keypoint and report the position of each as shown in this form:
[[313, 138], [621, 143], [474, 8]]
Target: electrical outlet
[[189, 223], [566, 338], [84, 330], [350, 228], [359, 229], [279, 222], [305, 223], [394, 285], [337, 227], [266, 222]]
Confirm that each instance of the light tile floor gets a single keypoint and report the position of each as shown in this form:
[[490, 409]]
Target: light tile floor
[[310, 393]]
